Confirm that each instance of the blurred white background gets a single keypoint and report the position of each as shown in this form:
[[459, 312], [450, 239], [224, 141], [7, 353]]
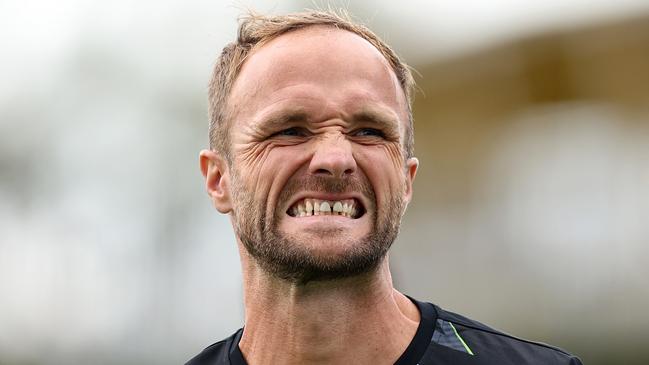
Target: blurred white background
[[110, 252]]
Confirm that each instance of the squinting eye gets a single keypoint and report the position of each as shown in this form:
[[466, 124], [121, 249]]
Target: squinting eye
[[290, 132], [368, 132]]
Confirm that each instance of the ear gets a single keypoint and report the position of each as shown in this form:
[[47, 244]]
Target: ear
[[412, 164], [217, 180]]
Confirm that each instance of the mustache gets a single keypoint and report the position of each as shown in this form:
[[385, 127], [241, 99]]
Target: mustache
[[328, 184]]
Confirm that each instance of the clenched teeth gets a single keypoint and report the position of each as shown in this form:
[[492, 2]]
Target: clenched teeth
[[309, 207]]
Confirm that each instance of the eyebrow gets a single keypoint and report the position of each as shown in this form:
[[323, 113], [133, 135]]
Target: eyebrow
[[368, 115], [281, 119], [378, 118]]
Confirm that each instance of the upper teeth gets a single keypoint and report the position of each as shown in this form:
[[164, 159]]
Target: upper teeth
[[309, 207]]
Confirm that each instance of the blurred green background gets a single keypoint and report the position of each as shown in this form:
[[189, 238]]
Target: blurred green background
[[531, 206]]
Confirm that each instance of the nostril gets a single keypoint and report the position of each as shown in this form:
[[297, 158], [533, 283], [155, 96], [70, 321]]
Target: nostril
[[323, 172]]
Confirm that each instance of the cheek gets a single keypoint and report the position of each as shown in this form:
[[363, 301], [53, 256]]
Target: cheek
[[383, 166], [256, 162], [249, 164], [268, 168]]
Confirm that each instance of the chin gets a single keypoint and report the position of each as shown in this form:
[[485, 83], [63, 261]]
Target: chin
[[329, 247]]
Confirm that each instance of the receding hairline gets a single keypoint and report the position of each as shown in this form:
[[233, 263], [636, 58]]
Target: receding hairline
[[329, 28], [403, 102]]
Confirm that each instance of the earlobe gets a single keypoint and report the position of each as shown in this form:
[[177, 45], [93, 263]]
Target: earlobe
[[412, 164], [217, 180]]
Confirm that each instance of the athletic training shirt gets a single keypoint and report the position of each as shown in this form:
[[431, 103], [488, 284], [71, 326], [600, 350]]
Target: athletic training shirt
[[442, 338]]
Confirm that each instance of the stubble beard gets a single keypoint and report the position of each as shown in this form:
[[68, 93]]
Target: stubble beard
[[286, 257]]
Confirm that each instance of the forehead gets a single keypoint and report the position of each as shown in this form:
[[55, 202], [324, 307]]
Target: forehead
[[320, 67]]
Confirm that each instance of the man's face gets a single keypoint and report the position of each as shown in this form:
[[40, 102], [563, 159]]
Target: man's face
[[319, 180]]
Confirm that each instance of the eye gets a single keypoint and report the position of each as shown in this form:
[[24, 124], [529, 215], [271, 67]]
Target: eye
[[369, 132], [290, 132]]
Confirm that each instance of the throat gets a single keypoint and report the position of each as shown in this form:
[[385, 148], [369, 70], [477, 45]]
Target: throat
[[319, 324]]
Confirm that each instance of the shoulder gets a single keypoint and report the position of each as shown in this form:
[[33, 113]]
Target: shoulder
[[215, 354], [480, 341]]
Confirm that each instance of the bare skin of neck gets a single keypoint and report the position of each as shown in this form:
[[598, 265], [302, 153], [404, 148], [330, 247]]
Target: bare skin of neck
[[360, 320]]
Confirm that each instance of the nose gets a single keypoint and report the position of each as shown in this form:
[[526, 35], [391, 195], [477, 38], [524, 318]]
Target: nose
[[333, 157]]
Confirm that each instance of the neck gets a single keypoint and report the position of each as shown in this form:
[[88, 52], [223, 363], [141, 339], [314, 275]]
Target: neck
[[360, 319]]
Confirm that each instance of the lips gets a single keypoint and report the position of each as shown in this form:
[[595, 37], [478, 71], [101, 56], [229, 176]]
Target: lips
[[310, 206]]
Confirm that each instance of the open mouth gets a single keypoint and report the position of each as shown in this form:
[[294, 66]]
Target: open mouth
[[350, 208]]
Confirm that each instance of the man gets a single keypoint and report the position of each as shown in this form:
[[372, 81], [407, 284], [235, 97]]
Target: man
[[311, 155]]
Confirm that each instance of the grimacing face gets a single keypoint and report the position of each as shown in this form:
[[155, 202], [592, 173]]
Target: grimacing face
[[319, 180]]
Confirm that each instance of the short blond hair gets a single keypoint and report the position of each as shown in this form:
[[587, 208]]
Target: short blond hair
[[254, 31]]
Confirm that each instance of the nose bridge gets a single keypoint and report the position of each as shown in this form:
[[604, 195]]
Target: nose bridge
[[333, 156]]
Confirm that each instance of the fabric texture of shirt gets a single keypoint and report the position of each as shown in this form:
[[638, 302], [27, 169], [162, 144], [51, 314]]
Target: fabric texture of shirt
[[442, 338]]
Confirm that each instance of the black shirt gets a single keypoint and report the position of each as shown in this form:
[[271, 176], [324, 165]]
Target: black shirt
[[442, 338]]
